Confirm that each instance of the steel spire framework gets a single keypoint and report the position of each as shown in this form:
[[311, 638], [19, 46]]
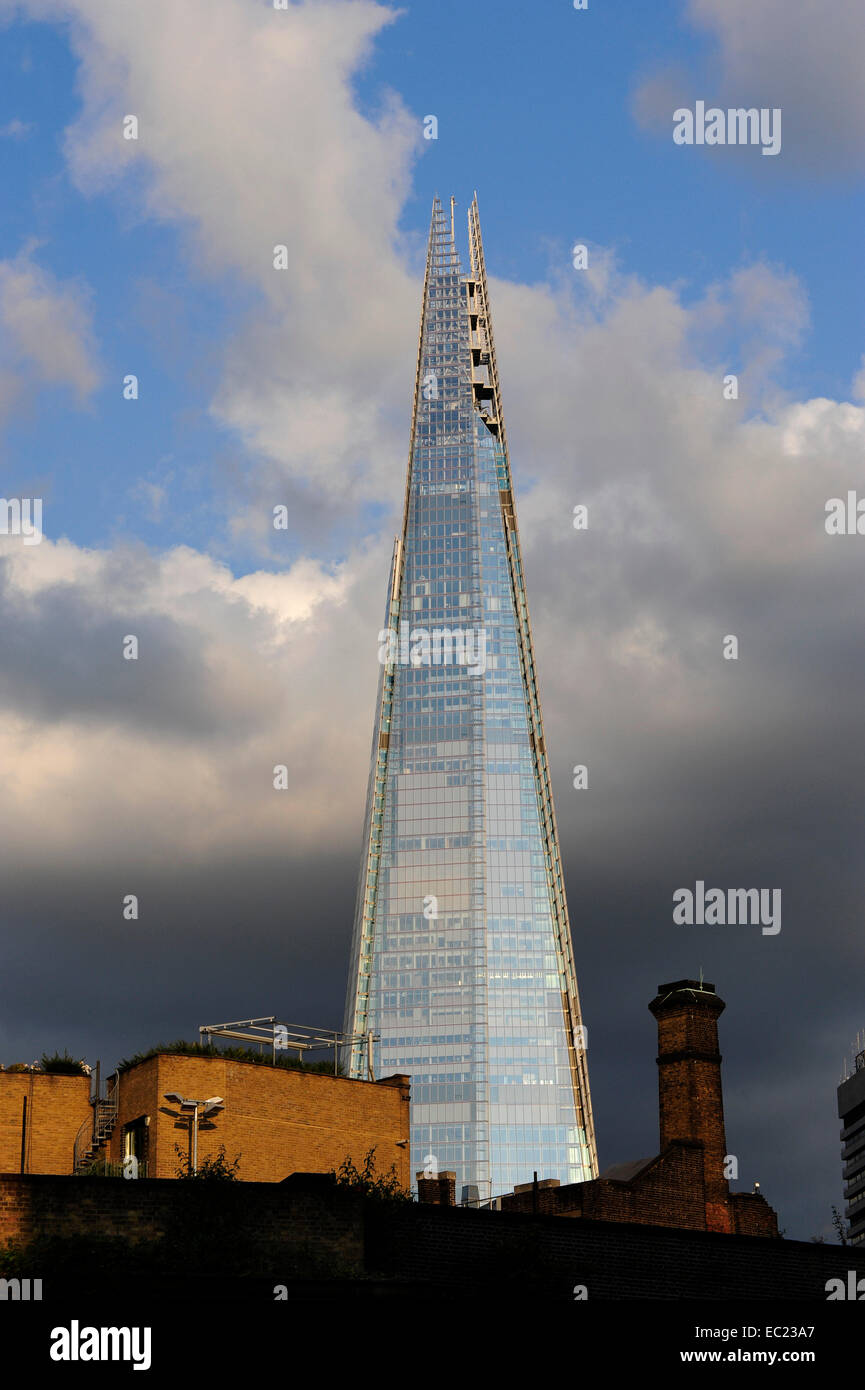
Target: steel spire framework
[[461, 956]]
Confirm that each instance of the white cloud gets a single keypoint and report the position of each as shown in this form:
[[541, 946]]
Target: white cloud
[[800, 55], [153, 496], [15, 129], [265, 669], [47, 330], [706, 516], [250, 137], [698, 510]]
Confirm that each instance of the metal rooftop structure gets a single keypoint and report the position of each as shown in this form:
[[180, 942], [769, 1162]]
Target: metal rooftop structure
[[293, 1037]]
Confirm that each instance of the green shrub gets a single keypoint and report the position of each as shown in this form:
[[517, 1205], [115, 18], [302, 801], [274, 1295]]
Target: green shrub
[[382, 1186], [57, 1065], [218, 1169], [231, 1054]]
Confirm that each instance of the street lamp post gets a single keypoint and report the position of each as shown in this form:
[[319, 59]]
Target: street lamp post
[[195, 1139], [208, 1107]]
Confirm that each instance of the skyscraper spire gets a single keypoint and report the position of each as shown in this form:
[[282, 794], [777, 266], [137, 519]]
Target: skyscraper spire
[[461, 956]]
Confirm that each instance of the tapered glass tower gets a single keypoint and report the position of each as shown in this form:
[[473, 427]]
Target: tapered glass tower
[[461, 958]]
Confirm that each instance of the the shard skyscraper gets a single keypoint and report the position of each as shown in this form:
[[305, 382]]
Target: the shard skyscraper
[[461, 958]]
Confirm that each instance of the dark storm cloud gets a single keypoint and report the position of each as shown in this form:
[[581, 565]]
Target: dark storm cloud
[[243, 938], [62, 660], [744, 773]]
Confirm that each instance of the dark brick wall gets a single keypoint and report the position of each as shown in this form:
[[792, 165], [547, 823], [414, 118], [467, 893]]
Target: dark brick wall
[[306, 1210], [669, 1192], [446, 1248], [488, 1252]]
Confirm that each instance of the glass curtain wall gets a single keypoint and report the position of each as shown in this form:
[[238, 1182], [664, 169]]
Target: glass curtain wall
[[461, 959]]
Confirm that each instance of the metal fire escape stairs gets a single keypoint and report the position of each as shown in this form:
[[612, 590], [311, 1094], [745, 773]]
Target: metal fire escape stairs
[[96, 1131]]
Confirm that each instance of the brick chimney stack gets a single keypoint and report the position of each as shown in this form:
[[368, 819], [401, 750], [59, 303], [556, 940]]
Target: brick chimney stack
[[439, 1191], [691, 1102]]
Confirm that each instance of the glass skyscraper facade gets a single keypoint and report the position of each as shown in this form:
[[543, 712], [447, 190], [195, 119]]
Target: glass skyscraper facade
[[461, 959]]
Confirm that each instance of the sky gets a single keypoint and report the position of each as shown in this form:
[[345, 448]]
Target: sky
[[258, 388]]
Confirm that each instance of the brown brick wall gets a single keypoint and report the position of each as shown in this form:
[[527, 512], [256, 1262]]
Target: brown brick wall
[[485, 1254], [470, 1253], [752, 1215], [279, 1121], [56, 1108], [299, 1213], [669, 1192]]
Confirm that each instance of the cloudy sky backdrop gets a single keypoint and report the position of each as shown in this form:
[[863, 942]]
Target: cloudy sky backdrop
[[260, 388]]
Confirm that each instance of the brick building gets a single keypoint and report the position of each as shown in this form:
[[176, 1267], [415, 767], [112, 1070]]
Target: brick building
[[40, 1115], [278, 1120], [666, 1227], [685, 1185]]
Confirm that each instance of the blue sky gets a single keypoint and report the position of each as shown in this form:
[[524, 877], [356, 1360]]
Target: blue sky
[[538, 115]]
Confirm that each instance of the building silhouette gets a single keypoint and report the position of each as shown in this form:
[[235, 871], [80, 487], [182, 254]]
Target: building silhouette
[[851, 1111], [462, 964]]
